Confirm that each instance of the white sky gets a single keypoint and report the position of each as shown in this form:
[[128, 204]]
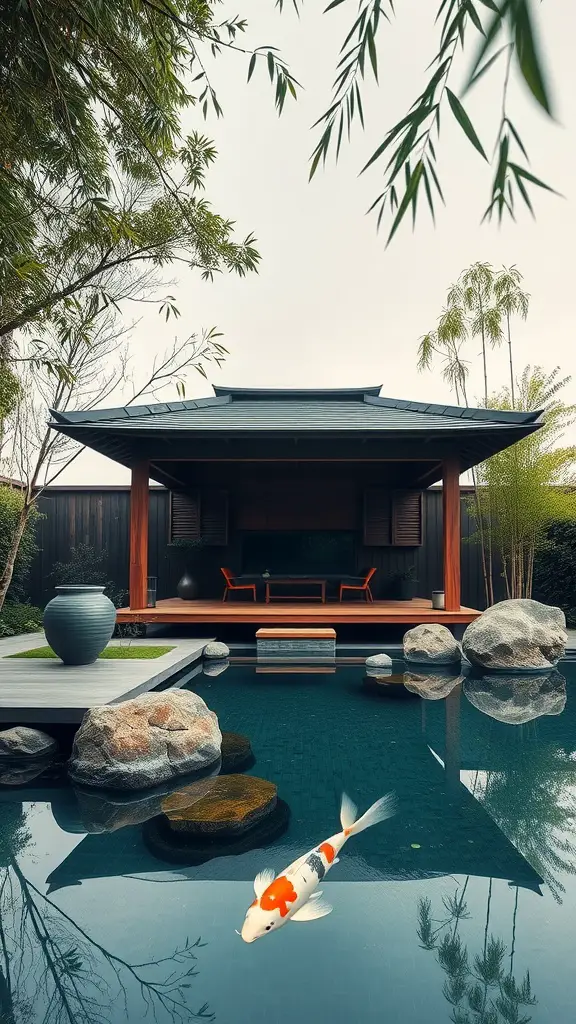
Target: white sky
[[331, 305]]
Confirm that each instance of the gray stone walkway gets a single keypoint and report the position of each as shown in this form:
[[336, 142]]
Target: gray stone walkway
[[45, 690]]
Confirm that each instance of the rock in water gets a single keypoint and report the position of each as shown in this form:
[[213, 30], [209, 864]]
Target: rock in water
[[216, 650], [145, 741], [516, 701], [232, 804], [379, 661], [22, 742], [431, 644], [431, 685], [519, 635], [236, 753]]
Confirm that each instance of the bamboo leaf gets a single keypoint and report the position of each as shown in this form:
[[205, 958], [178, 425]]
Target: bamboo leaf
[[531, 177], [529, 60], [406, 199], [465, 122], [251, 66]]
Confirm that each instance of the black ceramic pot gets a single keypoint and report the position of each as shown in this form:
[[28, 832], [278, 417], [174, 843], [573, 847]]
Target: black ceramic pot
[[408, 589], [187, 588]]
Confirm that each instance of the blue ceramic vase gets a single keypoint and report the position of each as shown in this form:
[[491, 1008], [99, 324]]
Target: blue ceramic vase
[[78, 623]]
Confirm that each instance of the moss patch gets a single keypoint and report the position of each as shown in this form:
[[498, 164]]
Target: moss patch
[[134, 652]]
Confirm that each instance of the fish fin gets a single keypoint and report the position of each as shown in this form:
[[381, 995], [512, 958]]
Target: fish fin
[[263, 880], [312, 910], [316, 895], [382, 809], [348, 812], [335, 861]]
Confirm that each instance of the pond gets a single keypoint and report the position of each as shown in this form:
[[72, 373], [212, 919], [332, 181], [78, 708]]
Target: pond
[[459, 908]]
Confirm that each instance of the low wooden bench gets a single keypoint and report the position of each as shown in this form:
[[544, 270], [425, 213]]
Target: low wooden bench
[[283, 642]]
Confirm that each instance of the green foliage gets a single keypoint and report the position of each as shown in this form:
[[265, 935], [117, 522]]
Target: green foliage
[[526, 488], [96, 170], [555, 569], [18, 618], [11, 506], [89, 567], [120, 653], [494, 38]]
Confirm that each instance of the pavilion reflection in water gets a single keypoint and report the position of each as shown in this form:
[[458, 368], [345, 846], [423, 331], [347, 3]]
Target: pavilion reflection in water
[[442, 813]]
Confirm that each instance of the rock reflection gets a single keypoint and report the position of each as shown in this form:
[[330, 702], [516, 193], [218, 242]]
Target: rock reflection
[[481, 988], [382, 682], [517, 699], [431, 685]]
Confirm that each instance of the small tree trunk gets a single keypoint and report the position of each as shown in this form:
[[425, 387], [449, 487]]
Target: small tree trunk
[[8, 569], [512, 399]]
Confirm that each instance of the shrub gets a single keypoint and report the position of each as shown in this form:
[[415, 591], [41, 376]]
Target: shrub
[[19, 618], [11, 503], [88, 566], [555, 569]]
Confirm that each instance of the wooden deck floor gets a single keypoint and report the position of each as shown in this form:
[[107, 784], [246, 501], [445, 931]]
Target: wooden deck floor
[[330, 614], [44, 690]]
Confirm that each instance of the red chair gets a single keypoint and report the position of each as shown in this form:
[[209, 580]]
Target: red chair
[[232, 585], [363, 585]]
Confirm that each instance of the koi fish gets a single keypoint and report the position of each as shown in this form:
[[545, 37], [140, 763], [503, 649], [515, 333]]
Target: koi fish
[[294, 896]]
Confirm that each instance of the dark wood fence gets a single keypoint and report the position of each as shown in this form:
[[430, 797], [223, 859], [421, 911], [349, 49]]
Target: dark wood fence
[[100, 517]]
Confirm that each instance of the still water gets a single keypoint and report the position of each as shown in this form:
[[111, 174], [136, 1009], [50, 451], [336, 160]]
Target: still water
[[461, 908]]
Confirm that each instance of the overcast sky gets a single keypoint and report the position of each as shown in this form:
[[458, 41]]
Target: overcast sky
[[331, 305]]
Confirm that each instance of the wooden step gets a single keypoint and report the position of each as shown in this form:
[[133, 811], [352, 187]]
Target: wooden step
[[295, 634]]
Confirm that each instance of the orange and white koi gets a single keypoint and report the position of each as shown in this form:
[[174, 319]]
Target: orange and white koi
[[293, 895]]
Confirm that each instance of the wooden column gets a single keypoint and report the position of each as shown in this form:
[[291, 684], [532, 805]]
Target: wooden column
[[451, 533], [139, 535]]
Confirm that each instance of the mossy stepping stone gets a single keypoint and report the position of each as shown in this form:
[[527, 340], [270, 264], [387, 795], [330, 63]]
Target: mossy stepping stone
[[230, 805], [183, 848], [236, 753]]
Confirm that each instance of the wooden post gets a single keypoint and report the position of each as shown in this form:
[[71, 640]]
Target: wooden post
[[452, 738], [139, 535], [451, 533]]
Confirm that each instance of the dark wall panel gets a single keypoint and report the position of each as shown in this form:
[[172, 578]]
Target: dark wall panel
[[101, 518]]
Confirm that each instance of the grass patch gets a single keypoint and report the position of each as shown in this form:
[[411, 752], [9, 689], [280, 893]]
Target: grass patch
[[132, 653]]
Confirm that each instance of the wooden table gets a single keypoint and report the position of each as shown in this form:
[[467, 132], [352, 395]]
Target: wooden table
[[288, 581]]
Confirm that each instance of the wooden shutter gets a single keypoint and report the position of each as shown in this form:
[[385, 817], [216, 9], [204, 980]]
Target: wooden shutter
[[184, 516], [214, 518], [377, 517], [407, 518]]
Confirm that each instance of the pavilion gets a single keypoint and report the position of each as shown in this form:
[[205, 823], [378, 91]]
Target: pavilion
[[252, 473]]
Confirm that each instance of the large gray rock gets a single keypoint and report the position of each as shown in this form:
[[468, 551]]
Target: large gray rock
[[516, 636], [216, 650], [431, 685], [22, 742], [379, 661], [515, 700], [431, 644], [145, 741]]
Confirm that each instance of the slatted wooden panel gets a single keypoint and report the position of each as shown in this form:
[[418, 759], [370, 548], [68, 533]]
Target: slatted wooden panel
[[407, 519], [377, 517], [184, 515], [214, 517]]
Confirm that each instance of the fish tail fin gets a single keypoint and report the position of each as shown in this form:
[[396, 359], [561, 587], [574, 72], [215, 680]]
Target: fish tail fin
[[382, 809], [348, 812]]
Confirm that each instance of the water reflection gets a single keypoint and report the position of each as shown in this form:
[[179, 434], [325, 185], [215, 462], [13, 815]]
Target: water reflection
[[48, 962], [517, 699], [480, 986]]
